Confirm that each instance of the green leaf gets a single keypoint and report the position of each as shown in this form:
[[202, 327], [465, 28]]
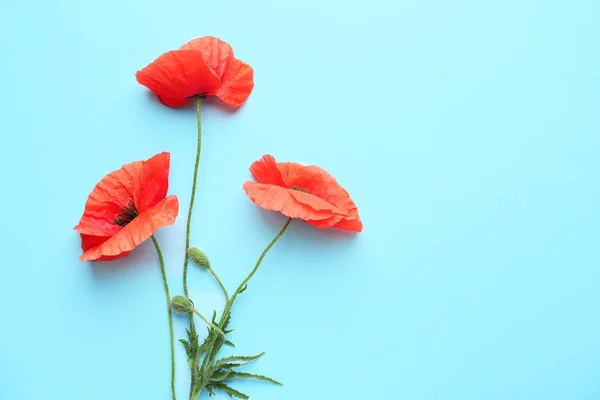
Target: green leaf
[[232, 365], [210, 391], [186, 344], [220, 375], [243, 289], [245, 375], [229, 343], [192, 341], [243, 360], [227, 320], [219, 340], [230, 391], [204, 345]]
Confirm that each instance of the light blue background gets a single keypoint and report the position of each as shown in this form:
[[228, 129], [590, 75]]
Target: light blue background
[[467, 132]]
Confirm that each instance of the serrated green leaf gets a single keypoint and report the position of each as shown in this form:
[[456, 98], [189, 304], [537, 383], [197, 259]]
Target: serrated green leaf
[[231, 391], [220, 375], [218, 343], [215, 338], [186, 344], [232, 365], [204, 345], [245, 375], [243, 360], [192, 341], [226, 321], [210, 391]]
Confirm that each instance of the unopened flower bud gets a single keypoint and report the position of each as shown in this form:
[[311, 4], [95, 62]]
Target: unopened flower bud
[[198, 257], [181, 305]]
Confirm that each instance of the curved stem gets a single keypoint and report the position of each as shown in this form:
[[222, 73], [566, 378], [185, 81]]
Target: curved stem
[[240, 289], [251, 274], [207, 322], [187, 231], [214, 274], [166, 284], [193, 195]]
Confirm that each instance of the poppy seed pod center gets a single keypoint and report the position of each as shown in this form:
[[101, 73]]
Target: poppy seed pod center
[[128, 213], [299, 189]]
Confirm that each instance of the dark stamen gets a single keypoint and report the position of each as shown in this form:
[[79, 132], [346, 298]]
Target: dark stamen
[[200, 95], [128, 213], [299, 189]]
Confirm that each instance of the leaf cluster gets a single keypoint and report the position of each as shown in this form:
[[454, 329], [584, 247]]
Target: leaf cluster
[[216, 374]]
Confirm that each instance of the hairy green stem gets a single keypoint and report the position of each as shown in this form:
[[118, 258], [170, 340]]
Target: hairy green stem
[[187, 228], [166, 284], [214, 274], [240, 289], [251, 274], [193, 195], [207, 322]]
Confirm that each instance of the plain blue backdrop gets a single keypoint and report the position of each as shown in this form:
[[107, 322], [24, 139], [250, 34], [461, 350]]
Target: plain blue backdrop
[[467, 132]]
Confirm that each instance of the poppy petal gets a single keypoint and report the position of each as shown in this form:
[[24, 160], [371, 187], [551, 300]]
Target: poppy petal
[[265, 171], [326, 223], [152, 182], [217, 54], [179, 75], [237, 87], [137, 231], [317, 181], [284, 200], [173, 102], [340, 222], [107, 200], [315, 202], [88, 242], [350, 224]]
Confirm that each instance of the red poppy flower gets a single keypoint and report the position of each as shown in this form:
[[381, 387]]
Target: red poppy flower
[[202, 67], [305, 192], [125, 208]]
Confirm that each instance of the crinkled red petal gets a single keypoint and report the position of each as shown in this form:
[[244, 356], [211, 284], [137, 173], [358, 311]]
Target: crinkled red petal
[[265, 171], [179, 75], [152, 182], [89, 242], [288, 202], [107, 200], [236, 88], [316, 181], [137, 231], [311, 188], [352, 223], [217, 54]]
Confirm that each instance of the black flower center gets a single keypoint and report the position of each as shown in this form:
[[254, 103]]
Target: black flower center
[[128, 213], [299, 189], [199, 95]]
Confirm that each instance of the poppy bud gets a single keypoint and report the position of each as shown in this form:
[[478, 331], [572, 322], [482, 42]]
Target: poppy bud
[[198, 257], [181, 305]]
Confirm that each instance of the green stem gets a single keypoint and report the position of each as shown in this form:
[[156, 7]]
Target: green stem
[[214, 274], [166, 284], [193, 195], [207, 322], [260, 259], [187, 228], [240, 288]]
